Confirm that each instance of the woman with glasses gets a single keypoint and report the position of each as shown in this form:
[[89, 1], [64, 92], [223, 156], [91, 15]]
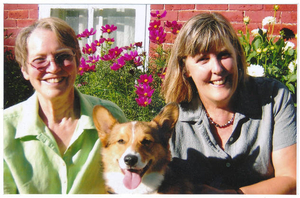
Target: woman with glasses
[[50, 142]]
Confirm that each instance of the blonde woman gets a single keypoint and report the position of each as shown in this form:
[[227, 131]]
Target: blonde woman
[[235, 133]]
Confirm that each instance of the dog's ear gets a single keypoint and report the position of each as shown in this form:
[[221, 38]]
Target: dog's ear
[[167, 119], [104, 122]]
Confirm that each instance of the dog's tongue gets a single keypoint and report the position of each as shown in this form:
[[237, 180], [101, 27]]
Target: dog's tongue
[[131, 180]]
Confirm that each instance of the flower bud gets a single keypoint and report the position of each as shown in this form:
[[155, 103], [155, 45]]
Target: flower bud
[[246, 20]]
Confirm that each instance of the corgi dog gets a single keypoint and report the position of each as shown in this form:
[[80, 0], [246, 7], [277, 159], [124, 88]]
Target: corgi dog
[[135, 155]]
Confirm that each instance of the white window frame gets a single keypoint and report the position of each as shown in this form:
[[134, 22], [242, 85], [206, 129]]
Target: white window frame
[[142, 18]]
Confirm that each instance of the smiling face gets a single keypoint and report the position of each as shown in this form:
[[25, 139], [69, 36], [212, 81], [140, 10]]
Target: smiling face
[[215, 75], [55, 80]]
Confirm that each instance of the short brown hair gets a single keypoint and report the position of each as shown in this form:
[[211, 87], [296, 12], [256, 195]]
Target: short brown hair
[[64, 33], [202, 33]]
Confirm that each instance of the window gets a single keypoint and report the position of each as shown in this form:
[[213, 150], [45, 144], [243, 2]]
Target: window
[[131, 20]]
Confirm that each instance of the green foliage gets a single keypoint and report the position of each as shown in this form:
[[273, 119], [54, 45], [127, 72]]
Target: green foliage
[[16, 88], [119, 86], [275, 54]]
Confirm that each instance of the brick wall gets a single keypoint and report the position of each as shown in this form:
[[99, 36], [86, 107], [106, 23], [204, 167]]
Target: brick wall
[[17, 16], [286, 16]]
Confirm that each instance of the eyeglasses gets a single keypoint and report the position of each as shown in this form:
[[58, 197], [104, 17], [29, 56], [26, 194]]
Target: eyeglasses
[[61, 59]]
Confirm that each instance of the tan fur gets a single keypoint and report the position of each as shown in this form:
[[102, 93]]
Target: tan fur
[[148, 139]]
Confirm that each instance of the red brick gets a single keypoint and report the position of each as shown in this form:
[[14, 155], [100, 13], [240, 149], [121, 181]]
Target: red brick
[[258, 16], [157, 6], [33, 14], [282, 7], [18, 14], [211, 7], [5, 14], [10, 6], [10, 23], [180, 6], [28, 6], [289, 17], [24, 23], [171, 16], [233, 16], [186, 15], [245, 7]]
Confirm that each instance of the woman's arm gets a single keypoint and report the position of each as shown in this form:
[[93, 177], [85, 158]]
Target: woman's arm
[[284, 182]]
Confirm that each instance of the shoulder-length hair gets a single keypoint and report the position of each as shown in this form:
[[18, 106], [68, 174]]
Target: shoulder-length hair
[[64, 33], [203, 33]]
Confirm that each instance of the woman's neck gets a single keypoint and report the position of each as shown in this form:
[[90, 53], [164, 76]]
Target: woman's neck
[[54, 111]]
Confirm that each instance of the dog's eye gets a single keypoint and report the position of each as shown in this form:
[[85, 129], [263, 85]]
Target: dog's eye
[[121, 141], [146, 142]]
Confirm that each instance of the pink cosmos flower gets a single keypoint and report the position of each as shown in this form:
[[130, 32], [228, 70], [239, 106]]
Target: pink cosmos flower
[[93, 59], [139, 44], [120, 63], [89, 49], [99, 42], [108, 28], [138, 61], [144, 90], [131, 55], [145, 79], [175, 27], [110, 40], [143, 101], [84, 67], [112, 54], [86, 33], [158, 36], [154, 25], [158, 15]]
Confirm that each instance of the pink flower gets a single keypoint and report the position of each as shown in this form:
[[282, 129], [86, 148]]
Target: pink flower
[[138, 61], [120, 63], [158, 15], [89, 49], [131, 56], [154, 25], [175, 27], [109, 40], [143, 101], [117, 51], [145, 79], [144, 90], [108, 28], [93, 59], [139, 44], [99, 42], [86, 33], [158, 36], [112, 54], [163, 73], [84, 67]]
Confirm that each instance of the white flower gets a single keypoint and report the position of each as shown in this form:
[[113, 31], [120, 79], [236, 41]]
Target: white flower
[[268, 20], [255, 31], [256, 70], [288, 45], [292, 66]]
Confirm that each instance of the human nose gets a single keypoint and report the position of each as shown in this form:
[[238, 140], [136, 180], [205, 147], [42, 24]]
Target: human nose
[[216, 65], [53, 66]]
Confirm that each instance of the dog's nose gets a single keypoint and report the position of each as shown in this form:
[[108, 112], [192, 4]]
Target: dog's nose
[[130, 160]]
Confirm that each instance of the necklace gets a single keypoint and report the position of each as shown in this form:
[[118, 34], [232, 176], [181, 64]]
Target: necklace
[[218, 125]]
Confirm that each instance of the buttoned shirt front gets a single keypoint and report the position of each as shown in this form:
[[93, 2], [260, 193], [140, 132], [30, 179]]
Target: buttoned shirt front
[[265, 121], [32, 161]]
